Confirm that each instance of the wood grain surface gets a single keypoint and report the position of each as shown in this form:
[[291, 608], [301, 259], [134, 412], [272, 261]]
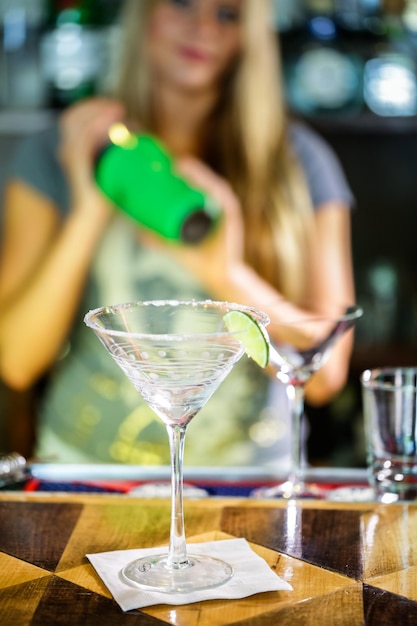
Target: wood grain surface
[[349, 564]]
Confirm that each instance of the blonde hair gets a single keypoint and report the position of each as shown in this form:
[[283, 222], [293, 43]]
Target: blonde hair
[[247, 143]]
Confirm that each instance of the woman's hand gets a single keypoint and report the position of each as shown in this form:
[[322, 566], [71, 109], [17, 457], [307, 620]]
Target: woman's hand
[[215, 258], [83, 132]]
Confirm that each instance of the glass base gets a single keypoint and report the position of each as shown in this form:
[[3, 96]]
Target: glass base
[[289, 490], [198, 572], [352, 494]]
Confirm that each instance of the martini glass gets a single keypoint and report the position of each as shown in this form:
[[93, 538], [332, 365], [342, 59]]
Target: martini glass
[[307, 347], [176, 354]]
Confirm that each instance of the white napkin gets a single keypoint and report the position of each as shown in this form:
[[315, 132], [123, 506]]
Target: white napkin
[[251, 575]]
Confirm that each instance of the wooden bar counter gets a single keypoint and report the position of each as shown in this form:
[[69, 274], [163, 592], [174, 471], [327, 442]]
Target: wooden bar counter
[[348, 564]]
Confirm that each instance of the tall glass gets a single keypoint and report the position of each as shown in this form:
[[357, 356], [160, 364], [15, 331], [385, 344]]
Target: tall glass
[[307, 346], [176, 354]]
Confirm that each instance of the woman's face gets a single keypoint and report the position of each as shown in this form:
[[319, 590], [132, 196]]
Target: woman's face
[[192, 43]]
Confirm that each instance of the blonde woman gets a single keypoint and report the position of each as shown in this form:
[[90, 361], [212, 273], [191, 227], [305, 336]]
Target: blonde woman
[[204, 77]]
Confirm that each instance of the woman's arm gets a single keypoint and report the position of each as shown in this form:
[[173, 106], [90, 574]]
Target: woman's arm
[[333, 288], [41, 300], [218, 262], [43, 263]]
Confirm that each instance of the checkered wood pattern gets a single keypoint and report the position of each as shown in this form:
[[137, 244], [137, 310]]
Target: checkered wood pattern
[[348, 564]]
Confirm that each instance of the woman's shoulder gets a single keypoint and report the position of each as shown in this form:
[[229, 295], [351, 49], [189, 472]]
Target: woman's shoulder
[[323, 170], [43, 141], [35, 162]]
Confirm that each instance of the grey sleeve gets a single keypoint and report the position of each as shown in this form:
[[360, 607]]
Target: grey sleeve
[[35, 163], [325, 177]]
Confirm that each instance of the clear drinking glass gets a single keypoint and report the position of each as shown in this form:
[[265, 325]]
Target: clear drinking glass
[[390, 416], [176, 354], [308, 345]]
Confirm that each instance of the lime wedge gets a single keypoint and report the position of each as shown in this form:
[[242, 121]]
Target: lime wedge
[[254, 337]]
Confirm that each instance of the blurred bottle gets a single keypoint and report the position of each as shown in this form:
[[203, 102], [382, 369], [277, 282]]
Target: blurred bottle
[[322, 69], [387, 293], [390, 77], [359, 16], [288, 15], [74, 48], [21, 84]]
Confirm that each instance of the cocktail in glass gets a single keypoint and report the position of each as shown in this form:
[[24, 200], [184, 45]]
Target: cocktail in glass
[[176, 354]]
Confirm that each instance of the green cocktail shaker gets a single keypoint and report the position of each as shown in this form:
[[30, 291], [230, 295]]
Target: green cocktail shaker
[[137, 174]]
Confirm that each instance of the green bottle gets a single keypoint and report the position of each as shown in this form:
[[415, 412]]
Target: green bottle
[[138, 175], [72, 51]]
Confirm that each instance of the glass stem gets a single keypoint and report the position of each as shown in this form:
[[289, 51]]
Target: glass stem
[[295, 394], [177, 556]]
